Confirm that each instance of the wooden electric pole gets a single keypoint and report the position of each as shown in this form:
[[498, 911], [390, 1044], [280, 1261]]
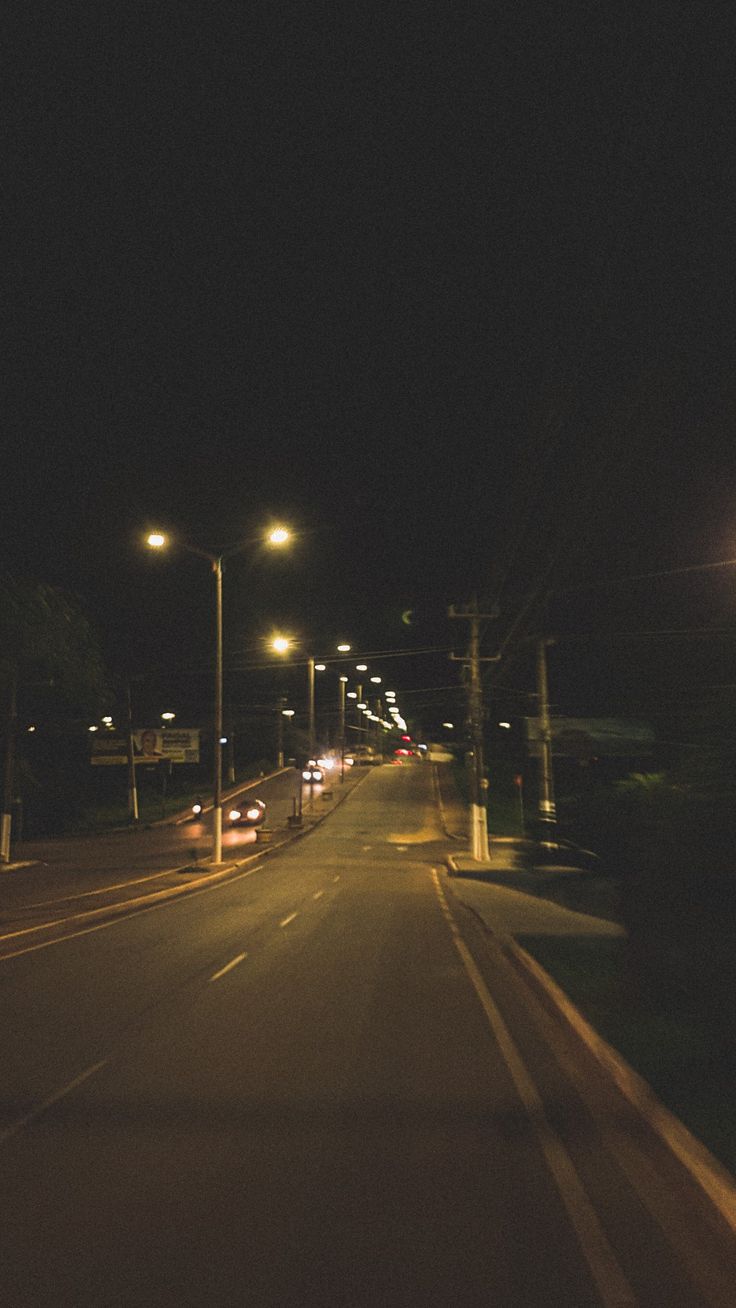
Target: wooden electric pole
[[478, 783]]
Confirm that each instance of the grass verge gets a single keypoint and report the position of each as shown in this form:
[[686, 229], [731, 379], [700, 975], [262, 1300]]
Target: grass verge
[[667, 1042]]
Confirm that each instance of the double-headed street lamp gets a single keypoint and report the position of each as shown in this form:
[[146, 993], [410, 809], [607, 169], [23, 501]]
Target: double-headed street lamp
[[158, 540]]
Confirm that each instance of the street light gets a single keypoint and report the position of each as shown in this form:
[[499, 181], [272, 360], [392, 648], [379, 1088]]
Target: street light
[[158, 540], [282, 645]]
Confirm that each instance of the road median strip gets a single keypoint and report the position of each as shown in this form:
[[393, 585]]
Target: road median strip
[[203, 876]]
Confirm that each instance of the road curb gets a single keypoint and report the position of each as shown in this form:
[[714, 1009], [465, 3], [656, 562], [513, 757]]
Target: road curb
[[452, 835], [711, 1176]]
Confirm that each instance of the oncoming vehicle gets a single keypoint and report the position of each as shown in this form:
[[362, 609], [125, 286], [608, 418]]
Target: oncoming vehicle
[[251, 814], [313, 771]]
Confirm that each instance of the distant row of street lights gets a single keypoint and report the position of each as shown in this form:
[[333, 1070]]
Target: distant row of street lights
[[283, 644], [277, 537]]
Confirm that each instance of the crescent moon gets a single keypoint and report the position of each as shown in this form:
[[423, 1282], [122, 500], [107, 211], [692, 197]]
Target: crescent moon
[[406, 617]]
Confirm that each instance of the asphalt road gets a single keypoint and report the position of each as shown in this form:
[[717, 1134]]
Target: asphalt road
[[78, 865], [317, 1082]]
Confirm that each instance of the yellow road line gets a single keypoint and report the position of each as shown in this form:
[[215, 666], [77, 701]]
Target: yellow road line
[[146, 904]]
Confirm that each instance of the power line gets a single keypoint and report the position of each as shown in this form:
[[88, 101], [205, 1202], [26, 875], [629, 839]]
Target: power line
[[646, 576]]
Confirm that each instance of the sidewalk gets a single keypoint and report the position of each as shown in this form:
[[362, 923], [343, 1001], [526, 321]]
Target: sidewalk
[[508, 898]]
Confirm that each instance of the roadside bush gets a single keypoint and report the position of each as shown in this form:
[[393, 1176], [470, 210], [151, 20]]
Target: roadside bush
[[673, 847]]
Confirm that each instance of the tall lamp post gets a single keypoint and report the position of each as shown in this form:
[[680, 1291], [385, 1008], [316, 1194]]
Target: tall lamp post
[[158, 540], [282, 645]]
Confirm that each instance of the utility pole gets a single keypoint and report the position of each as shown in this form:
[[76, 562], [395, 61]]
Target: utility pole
[[280, 731], [132, 780], [10, 727], [478, 782], [231, 753], [341, 728], [310, 696], [547, 809]]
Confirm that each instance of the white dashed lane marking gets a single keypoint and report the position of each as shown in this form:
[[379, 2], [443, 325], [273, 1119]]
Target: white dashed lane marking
[[228, 966]]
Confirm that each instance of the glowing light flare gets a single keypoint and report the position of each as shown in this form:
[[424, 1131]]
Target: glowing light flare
[[278, 536]]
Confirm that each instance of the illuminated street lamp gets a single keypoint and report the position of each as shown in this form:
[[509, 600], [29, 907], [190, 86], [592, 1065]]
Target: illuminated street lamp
[[157, 540]]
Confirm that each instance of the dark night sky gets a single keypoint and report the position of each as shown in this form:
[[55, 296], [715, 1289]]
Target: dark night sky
[[448, 286]]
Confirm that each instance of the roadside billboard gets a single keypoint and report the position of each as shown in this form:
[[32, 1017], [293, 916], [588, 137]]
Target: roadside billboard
[[150, 745]]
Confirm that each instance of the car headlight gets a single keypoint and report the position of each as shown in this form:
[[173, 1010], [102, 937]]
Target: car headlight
[[234, 814], [253, 814]]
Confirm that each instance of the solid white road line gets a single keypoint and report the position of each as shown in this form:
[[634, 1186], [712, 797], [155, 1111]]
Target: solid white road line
[[228, 966], [612, 1285]]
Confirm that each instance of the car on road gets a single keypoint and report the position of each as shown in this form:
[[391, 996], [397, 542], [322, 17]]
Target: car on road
[[246, 814], [250, 813]]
